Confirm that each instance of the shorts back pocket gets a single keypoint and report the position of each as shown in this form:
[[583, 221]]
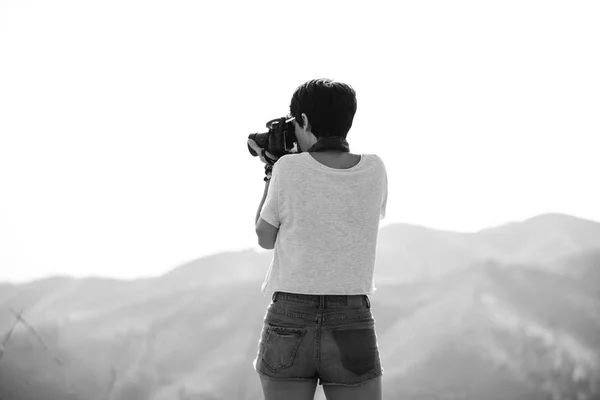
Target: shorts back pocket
[[280, 345]]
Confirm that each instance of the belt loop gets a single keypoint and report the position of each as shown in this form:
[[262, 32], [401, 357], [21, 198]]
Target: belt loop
[[368, 301], [274, 298], [322, 301]]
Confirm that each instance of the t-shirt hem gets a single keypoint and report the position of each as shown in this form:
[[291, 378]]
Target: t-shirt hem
[[354, 293]]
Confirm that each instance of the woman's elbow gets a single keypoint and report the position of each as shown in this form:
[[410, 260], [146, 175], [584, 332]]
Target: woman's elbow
[[266, 246]]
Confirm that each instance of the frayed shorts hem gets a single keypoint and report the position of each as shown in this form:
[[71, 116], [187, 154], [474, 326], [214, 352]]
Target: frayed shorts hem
[[286, 379], [320, 381], [349, 384]]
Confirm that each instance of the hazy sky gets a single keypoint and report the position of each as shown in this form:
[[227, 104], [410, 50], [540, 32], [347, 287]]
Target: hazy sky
[[123, 124]]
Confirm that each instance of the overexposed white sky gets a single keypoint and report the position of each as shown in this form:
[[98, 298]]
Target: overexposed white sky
[[123, 124]]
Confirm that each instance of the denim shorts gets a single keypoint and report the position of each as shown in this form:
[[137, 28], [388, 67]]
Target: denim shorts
[[326, 337]]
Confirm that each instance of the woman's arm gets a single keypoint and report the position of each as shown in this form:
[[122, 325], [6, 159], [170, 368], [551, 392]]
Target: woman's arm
[[267, 233], [262, 201]]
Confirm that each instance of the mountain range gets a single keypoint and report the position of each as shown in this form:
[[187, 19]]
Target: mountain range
[[509, 312]]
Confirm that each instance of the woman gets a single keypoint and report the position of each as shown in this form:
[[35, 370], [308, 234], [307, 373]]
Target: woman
[[320, 213]]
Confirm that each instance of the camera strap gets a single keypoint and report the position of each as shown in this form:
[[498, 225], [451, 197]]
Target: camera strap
[[268, 159]]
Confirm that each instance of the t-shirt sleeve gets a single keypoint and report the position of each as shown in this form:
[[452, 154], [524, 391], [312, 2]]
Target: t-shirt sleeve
[[270, 209], [384, 195]]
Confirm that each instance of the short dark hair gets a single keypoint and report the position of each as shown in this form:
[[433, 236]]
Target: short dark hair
[[329, 105]]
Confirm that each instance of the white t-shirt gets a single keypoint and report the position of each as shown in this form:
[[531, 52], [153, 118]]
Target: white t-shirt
[[328, 222]]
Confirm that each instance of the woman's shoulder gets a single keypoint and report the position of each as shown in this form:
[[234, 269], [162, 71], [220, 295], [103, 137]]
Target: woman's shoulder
[[374, 158], [289, 158]]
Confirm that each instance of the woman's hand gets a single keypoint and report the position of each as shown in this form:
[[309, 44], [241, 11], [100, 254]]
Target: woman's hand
[[265, 156]]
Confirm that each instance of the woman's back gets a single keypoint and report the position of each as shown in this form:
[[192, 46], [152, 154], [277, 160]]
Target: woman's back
[[327, 209]]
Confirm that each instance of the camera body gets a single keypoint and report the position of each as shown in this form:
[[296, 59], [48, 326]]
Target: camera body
[[279, 140]]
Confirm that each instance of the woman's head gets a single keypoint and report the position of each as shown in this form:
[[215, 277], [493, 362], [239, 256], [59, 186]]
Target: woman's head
[[324, 107]]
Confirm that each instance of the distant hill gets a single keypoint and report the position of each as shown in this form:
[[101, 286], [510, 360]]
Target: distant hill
[[540, 239], [497, 324], [584, 266], [512, 310], [410, 253]]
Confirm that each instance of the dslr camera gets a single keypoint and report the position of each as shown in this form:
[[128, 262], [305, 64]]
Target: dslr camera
[[279, 140]]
